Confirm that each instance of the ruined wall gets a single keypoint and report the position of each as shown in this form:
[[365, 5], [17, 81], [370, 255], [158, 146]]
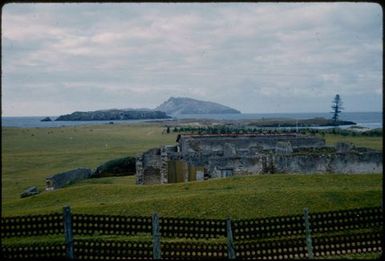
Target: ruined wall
[[139, 170], [239, 165], [151, 175], [349, 162], [62, 179], [232, 145], [202, 157], [177, 171], [148, 167]]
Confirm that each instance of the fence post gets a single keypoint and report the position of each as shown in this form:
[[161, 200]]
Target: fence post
[[309, 245], [155, 236], [230, 242], [68, 233]]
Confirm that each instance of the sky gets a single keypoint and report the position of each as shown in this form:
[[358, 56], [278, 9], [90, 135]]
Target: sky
[[58, 58]]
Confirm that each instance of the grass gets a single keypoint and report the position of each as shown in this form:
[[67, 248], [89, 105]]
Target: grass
[[30, 155], [236, 197], [359, 141]]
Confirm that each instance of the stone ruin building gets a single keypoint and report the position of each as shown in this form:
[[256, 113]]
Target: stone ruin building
[[199, 157]]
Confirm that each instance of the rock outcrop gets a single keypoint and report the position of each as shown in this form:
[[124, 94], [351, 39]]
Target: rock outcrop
[[46, 119], [182, 105], [66, 178], [29, 192]]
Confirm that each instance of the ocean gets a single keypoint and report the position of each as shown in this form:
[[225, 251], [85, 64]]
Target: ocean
[[370, 120]]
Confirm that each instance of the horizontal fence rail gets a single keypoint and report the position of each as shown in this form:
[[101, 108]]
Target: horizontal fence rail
[[99, 249], [32, 225], [277, 249], [34, 251], [193, 251], [192, 228], [320, 222], [110, 225], [268, 227], [348, 244], [286, 237], [346, 219]]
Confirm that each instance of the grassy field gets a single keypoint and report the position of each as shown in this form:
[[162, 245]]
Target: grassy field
[[359, 141], [236, 197], [30, 155]]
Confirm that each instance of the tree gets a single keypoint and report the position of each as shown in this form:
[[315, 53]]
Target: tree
[[337, 108]]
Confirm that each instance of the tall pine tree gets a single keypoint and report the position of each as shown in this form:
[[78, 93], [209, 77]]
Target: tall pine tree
[[337, 108]]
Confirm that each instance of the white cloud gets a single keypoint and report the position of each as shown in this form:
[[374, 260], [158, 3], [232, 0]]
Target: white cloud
[[247, 55]]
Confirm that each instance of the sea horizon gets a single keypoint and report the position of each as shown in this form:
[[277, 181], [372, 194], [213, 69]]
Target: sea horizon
[[365, 119], [246, 113]]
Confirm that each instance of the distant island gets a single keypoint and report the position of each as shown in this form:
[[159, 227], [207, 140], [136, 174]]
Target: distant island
[[114, 114], [314, 122], [183, 105], [258, 123], [46, 119], [173, 105]]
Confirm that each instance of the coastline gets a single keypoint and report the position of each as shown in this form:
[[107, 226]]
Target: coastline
[[370, 120]]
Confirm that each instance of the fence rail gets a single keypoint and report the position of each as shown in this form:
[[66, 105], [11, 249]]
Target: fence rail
[[277, 249], [277, 237], [331, 221], [32, 225], [192, 228], [110, 225]]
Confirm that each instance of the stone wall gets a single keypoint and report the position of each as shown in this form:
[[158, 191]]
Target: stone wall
[[139, 170], [214, 156], [151, 175], [349, 162], [229, 145], [148, 167], [62, 179]]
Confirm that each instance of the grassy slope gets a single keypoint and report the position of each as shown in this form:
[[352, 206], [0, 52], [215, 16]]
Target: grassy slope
[[237, 197], [30, 155]]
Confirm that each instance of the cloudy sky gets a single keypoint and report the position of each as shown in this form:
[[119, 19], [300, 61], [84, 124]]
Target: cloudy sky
[[254, 57]]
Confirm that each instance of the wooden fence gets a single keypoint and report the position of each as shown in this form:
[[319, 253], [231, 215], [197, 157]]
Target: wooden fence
[[286, 237]]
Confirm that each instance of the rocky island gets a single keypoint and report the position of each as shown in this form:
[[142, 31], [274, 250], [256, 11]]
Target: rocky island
[[46, 119], [183, 105], [114, 114]]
